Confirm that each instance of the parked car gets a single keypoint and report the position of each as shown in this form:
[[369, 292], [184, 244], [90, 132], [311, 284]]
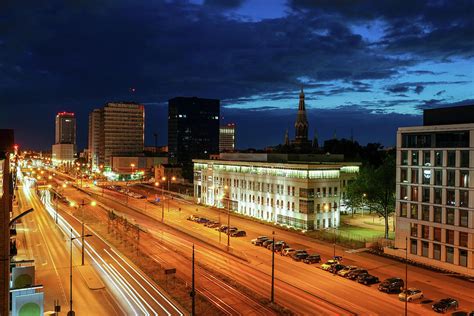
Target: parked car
[[212, 224], [288, 251], [280, 245], [314, 258], [346, 270], [231, 230], [239, 233], [442, 306], [392, 285], [298, 256], [354, 274], [410, 294], [336, 267], [202, 220], [267, 242], [367, 279], [222, 228], [259, 240], [325, 266]]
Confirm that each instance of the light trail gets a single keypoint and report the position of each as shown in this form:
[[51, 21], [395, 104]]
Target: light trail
[[136, 303]]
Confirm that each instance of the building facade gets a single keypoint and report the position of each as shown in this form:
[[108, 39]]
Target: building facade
[[227, 138], [435, 196], [193, 131], [302, 195], [64, 148], [118, 129]]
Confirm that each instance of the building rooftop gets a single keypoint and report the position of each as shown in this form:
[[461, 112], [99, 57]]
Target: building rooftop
[[449, 115]]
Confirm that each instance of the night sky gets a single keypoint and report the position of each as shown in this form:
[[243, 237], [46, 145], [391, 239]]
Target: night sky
[[366, 66]]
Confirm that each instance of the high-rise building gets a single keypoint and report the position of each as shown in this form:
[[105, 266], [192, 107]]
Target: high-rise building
[[118, 129], [64, 148], [65, 128], [227, 138], [435, 195], [193, 131]]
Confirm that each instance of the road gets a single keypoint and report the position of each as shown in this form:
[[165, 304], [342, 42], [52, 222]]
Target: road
[[348, 294], [49, 248], [134, 291]]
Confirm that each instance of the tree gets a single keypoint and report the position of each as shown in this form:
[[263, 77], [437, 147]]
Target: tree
[[374, 188]]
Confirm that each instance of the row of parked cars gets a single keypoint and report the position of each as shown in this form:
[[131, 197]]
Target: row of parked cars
[[284, 249], [232, 230], [390, 285], [120, 189]]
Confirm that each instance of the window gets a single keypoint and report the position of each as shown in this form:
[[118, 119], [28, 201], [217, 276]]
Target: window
[[414, 193], [414, 175], [426, 158], [437, 214], [329, 191], [414, 246], [449, 254], [335, 191], [425, 231], [463, 218], [438, 158], [318, 208], [451, 158], [403, 175], [438, 177], [318, 192], [464, 163], [437, 234], [437, 195], [403, 193], [463, 198], [425, 197], [450, 175], [463, 239], [463, 257], [403, 209], [450, 216], [424, 248], [414, 211], [414, 230], [464, 179], [414, 158], [425, 212], [450, 236], [426, 176], [404, 157], [450, 198], [437, 251], [324, 192]]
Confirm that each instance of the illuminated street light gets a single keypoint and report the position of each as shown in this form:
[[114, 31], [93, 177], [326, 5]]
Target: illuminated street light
[[50, 177]]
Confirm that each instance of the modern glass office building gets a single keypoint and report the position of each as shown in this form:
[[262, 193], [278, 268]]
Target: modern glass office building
[[435, 196]]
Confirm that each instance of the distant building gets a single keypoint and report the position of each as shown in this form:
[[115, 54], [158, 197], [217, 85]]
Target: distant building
[[435, 193], [116, 130], [277, 188], [227, 138], [301, 142], [64, 148], [135, 167], [193, 131]]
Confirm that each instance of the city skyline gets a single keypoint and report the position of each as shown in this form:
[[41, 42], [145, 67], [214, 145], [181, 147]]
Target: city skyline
[[376, 70]]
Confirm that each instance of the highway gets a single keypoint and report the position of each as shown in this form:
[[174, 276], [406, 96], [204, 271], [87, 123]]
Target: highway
[[347, 294], [134, 291]]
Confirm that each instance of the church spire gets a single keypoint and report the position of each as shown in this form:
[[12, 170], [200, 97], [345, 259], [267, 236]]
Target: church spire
[[301, 124], [287, 138]]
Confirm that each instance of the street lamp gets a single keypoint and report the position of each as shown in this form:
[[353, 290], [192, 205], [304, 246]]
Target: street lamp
[[71, 312], [363, 202], [173, 178], [92, 203], [228, 214]]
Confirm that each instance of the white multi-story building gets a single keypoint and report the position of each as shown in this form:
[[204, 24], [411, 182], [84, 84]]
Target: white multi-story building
[[303, 195], [116, 130], [435, 196]]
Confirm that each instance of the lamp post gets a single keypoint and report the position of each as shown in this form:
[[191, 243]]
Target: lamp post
[[406, 275], [92, 203], [228, 214], [272, 296], [71, 312], [363, 203], [173, 178]]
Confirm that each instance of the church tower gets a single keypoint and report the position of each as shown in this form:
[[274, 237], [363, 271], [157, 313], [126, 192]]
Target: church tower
[[301, 124]]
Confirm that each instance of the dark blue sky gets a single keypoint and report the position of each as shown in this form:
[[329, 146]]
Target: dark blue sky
[[369, 66]]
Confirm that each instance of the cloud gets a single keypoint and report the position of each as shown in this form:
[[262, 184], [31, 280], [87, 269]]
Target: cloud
[[440, 92], [419, 89], [224, 4]]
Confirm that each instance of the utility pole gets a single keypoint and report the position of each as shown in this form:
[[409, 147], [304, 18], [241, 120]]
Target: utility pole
[[406, 275], [71, 312], [193, 292], [272, 297]]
